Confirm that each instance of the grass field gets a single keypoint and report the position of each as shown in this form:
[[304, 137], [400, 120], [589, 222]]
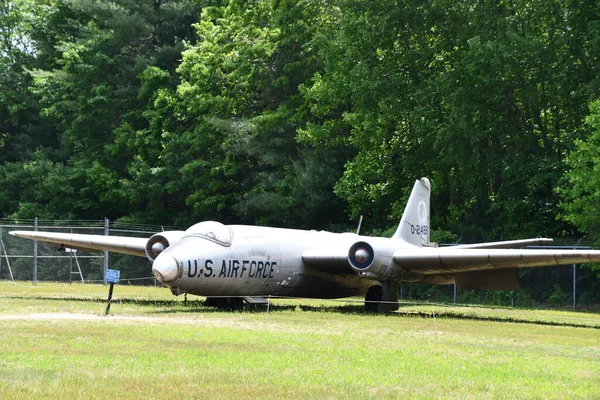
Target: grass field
[[56, 343]]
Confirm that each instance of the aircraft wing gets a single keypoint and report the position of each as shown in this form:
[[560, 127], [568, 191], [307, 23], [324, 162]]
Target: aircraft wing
[[433, 261], [456, 259], [118, 244], [507, 244]]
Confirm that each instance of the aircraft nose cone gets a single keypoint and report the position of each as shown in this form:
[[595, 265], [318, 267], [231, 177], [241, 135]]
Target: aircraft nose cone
[[165, 268]]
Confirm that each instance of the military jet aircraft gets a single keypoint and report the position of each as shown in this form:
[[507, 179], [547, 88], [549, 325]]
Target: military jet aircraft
[[232, 263]]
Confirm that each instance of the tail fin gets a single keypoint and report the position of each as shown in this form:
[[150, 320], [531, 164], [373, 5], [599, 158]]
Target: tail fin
[[414, 225]]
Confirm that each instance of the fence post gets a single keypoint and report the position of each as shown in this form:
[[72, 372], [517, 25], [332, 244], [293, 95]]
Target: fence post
[[574, 285], [35, 255], [106, 222], [1, 240], [455, 293], [575, 277]]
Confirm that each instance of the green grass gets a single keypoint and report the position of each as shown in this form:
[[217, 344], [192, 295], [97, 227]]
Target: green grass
[[56, 343]]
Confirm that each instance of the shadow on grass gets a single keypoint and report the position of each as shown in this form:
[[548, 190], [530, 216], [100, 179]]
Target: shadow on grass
[[198, 306], [191, 306], [172, 307]]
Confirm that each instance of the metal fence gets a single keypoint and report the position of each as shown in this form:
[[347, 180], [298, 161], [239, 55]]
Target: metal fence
[[27, 260]]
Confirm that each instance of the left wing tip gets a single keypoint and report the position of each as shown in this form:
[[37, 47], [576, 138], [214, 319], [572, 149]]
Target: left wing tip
[[22, 234]]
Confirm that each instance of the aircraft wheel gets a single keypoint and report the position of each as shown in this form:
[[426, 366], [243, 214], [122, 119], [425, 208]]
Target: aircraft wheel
[[236, 304], [212, 302], [373, 297], [225, 303]]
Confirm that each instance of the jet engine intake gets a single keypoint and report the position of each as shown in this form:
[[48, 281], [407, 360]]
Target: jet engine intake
[[361, 256], [160, 241], [370, 263]]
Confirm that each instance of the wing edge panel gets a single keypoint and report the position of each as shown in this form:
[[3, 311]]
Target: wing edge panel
[[452, 260], [118, 244]]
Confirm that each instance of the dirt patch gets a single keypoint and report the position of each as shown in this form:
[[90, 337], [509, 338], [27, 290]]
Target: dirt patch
[[233, 322], [71, 316]]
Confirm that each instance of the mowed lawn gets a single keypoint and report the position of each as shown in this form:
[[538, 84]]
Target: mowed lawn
[[57, 345]]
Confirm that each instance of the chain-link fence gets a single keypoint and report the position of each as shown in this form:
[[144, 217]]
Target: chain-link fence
[[26, 260]]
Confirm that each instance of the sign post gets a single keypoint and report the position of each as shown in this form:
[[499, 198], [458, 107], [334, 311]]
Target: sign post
[[111, 276]]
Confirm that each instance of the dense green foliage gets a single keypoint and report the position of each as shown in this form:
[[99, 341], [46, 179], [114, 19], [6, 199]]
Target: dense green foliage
[[303, 113]]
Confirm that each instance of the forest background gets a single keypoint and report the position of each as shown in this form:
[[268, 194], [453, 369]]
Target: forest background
[[306, 114]]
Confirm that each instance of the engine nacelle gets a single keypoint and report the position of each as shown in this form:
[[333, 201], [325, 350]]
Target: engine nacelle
[[369, 263], [361, 256], [160, 241]]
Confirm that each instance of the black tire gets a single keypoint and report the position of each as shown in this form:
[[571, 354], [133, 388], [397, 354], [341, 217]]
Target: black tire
[[225, 303], [373, 298], [236, 304], [212, 302]]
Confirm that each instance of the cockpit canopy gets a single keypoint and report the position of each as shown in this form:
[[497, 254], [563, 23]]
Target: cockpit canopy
[[211, 230]]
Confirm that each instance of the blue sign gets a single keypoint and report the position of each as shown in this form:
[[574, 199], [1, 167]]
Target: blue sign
[[112, 275]]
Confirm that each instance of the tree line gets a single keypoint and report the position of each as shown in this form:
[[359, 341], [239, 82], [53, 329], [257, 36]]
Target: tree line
[[304, 114]]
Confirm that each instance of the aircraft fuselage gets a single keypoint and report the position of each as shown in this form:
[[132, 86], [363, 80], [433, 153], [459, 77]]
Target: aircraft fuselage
[[261, 261], [250, 262]]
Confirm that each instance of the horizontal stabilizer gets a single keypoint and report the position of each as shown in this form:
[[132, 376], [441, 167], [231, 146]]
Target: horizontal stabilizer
[[118, 244], [506, 244]]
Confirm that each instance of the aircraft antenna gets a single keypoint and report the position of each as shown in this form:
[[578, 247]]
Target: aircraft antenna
[[359, 225]]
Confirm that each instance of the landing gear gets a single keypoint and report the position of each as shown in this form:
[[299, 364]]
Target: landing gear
[[225, 303], [382, 298], [389, 298], [236, 304], [373, 298]]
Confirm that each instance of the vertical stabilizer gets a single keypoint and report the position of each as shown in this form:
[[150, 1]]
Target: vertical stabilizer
[[414, 225]]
